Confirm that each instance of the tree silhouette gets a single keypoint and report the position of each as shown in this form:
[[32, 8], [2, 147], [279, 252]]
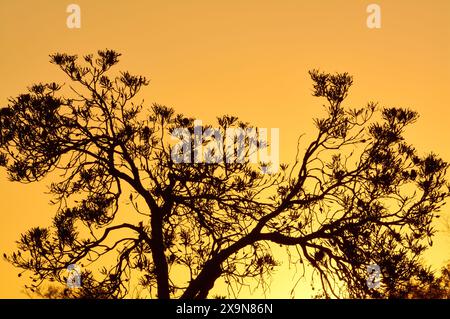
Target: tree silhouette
[[427, 286], [358, 194]]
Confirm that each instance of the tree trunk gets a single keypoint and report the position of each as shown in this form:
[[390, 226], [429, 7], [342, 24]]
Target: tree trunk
[[200, 286], [159, 258]]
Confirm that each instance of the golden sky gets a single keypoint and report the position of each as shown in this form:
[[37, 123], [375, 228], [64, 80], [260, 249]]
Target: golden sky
[[243, 57]]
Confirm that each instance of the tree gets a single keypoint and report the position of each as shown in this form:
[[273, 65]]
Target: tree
[[427, 286], [358, 195]]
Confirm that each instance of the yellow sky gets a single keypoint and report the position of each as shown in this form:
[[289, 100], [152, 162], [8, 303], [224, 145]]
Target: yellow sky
[[248, 58]]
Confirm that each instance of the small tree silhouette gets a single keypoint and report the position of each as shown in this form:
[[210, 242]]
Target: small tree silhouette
[[426, 286], [358, 195]]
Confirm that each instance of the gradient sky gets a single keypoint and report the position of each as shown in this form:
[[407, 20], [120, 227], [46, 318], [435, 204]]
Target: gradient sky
[[248, 58]]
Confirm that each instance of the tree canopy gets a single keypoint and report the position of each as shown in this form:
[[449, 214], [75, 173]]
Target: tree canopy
[[357, 194]]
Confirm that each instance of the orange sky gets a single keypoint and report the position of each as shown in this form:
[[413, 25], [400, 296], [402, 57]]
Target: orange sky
[[248, 58]]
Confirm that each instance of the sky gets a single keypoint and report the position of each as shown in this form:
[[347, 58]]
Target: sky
[[247, 58]]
